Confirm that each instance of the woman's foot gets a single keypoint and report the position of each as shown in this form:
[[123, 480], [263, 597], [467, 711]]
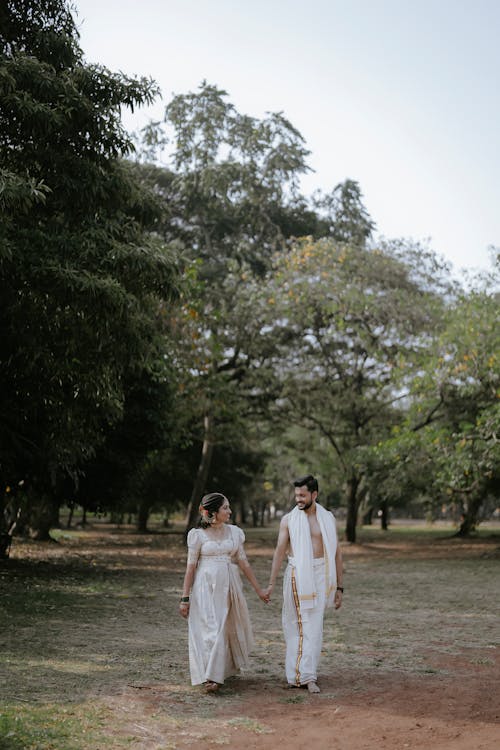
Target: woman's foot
[[211, 687]]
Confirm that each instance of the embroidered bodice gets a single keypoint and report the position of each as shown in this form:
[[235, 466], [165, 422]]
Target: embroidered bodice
[[202, 547]]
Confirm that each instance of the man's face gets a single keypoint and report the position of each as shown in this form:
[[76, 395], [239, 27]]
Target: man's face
[[303, 498]]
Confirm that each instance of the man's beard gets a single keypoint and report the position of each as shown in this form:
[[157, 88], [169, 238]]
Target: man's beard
[[307, 506]]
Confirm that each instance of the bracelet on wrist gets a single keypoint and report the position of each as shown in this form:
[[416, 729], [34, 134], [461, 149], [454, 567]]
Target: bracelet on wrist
[[340, 588], [184, 599]]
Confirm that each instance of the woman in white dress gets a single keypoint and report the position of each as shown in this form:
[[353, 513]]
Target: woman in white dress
[[220, 633]]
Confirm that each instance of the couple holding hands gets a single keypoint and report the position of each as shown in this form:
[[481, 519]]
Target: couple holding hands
[[220, 633]]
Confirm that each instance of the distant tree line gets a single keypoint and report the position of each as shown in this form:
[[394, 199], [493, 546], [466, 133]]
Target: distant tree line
[[178, 317]]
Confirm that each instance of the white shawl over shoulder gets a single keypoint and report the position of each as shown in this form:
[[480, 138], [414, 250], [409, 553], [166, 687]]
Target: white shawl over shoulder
[[300, 538]]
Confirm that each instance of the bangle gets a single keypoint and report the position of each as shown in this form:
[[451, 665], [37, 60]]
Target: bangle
[[184, 599], [339, 588]]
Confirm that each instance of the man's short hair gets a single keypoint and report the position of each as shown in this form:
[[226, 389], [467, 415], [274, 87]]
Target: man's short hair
[[308, 481]]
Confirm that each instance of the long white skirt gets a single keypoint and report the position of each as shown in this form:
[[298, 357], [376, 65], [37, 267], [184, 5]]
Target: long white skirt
[[303, 631], [220, 633]]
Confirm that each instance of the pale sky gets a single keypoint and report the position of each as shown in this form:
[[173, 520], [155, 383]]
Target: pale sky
[[400, 95]]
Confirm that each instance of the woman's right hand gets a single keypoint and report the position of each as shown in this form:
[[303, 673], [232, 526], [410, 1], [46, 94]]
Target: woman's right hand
[[184, 609]]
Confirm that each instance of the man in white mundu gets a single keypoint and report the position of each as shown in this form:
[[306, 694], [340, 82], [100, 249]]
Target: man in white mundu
[[312, 581]]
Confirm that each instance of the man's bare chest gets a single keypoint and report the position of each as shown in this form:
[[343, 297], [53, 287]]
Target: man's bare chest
[[316, 537]]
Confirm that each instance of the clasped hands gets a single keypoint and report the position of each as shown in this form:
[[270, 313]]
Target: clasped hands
[[265, 594]]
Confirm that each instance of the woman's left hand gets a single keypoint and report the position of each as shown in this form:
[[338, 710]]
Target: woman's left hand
[[184, 609]]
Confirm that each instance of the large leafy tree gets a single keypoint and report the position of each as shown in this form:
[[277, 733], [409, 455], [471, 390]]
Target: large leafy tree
[[81, 279], [344, 327], [231, 187], [232, 198], [450, 434]]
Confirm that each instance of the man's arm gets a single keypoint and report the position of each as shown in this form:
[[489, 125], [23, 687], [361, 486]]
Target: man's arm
[[279, 552]]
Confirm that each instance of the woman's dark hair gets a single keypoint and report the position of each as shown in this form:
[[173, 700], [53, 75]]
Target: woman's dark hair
[[308, 481], [209, 506]]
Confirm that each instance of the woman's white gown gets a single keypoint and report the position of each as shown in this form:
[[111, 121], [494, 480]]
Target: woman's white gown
[[220, 633]]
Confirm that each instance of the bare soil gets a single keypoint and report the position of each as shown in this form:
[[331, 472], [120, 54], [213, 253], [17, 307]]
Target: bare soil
[[90, 630]]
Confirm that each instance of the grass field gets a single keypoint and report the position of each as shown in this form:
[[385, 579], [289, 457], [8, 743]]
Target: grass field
[[94, 654]]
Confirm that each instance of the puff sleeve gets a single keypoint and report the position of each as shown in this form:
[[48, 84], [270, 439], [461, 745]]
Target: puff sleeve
[[194, 546], [240, 540]]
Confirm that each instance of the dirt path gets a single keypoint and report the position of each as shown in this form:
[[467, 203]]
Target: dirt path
[[457, 712], [411, 661]]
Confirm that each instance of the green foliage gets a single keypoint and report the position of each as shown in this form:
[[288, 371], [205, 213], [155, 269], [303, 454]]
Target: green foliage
[[81, 279], [232, 192], [321, 352], [346, 219], [341, 330], [231, 198], [231, 195], [447, 446]]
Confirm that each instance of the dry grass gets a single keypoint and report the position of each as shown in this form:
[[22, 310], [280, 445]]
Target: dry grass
[[94, 653]]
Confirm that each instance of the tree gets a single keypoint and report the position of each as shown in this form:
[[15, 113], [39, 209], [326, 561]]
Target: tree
[[344, 327], [232, 189], [452, 423], [231, 198], [345, 219], [81, 279]]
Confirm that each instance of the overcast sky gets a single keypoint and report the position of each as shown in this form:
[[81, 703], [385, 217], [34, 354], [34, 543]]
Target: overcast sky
[[400, 95]]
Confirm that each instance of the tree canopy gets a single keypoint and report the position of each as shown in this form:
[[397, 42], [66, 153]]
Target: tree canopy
[[81, 273], [182, 317]]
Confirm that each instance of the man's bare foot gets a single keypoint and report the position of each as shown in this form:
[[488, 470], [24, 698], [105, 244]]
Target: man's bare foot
[[313, 687], [211, 687]]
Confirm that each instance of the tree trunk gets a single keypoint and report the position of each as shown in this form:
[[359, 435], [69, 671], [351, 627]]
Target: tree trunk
[[5, 542], [469, 519], [143, 508], [200, 482], [6, 533], [384, 518], [44, 516], [367, 518], [353, 500]]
